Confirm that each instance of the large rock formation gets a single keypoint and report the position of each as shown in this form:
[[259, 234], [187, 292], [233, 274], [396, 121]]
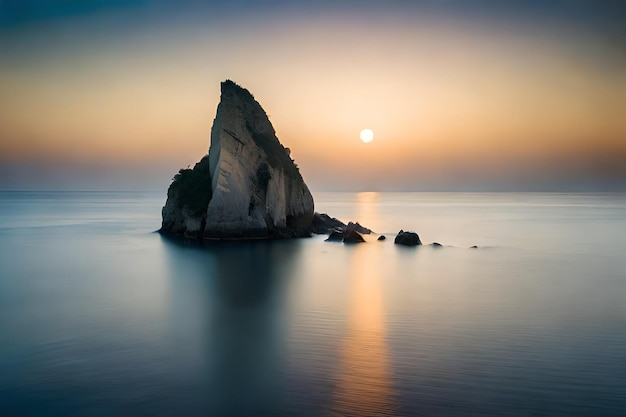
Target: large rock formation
[[246, 187]]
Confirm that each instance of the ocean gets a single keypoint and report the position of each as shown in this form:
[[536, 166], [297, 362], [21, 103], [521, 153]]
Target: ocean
[[100, 316]]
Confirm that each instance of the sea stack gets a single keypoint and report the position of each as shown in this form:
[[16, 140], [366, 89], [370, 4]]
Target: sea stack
[[246, 187]]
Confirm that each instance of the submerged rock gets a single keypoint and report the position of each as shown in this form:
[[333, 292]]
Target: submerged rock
[[382, 237], [407, 239], [246, 187], [437, 245], [352, 236]]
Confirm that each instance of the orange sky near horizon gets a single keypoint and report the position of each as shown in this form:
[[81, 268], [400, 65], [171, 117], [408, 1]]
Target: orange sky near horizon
[[441, 95]]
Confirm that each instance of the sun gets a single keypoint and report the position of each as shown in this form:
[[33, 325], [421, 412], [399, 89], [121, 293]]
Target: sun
[[367, 135]]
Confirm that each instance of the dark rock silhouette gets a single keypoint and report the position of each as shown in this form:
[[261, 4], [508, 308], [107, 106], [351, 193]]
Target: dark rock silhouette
[[247, 187], [337, 230], [437, 245], [407, 239], [323, 224], [352, 236], [382, 237], [474, 247], [335, 236], [358, 228]]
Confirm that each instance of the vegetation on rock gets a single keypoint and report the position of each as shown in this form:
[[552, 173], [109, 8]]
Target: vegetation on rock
[[191, 188]]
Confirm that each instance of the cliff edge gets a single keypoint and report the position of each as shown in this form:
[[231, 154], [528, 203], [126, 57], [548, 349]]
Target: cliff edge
[[246, 187]]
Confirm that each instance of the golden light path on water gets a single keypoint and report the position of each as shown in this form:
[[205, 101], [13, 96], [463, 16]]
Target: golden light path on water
[[364, 374]]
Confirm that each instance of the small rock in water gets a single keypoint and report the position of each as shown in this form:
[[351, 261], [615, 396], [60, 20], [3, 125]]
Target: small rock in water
[[335, 236], [324, 224], [437, 244], [382, 237], [352, 236], [357, 227], [407, 239], [474, 247]]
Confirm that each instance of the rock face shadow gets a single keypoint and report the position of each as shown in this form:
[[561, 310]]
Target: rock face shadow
[[230, 300]]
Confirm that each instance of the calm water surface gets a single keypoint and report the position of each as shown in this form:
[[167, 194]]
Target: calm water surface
[[100, 317]]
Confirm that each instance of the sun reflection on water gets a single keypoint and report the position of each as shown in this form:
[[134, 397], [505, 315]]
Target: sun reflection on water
[[364, 385]]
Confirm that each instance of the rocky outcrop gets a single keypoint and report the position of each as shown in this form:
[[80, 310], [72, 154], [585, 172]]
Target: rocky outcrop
[[335, 236], [247, 187], [352, 236], [407, 239], [187, 200], [357, 227], [337, 230], [323, 224]]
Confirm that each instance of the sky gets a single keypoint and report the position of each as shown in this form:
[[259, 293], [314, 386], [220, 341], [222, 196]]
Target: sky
[[461, 95]]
